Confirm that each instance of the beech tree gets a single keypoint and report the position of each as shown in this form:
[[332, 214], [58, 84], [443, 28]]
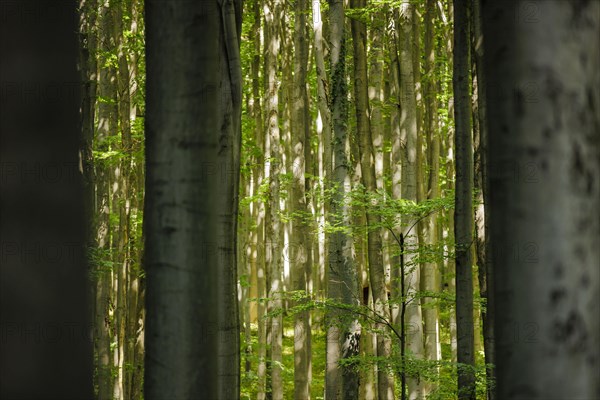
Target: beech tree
[[44, 316], [192, 148], [300, 254], [543, 103], [463, 211]]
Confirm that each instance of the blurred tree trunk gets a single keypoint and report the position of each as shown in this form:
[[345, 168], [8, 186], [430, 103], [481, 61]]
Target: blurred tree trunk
[[543, 96], [45, 350]]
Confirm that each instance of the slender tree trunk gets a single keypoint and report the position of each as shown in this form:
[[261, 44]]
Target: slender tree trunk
[[286, 99], [184, 265], [323, 127], [463, 212], [245, 262], [448, 152], [368, 178], [136, 282], [107, 125], [375, 95], [273, 14], [378, 134], [343, 334], [229, 166], [544, 170], [122, 173], [483, 242], [88, 67], [408, 135], [300, 251], [135, 198], [259, 172], [140, 310], [88, 39], [111, 20], [368, 348], [431, 274], [395, 159]]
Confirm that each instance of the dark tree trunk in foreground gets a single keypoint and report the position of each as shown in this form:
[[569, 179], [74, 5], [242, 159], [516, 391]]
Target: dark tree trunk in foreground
[[463, 212], [192, 147], [542, 61], [46, 351]]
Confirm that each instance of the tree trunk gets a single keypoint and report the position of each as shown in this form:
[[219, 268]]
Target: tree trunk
[[483, 243], [273, 14], [343, 334], [123, 195], [463, 211], [88, 67], [259, 173], [431, 271], [45, 351], [408, 135], [323, 127], [134, 358], [184, 265], [299, 252], [107, 126], [544, 171], [385, 386], [229, 166], [88, 35]]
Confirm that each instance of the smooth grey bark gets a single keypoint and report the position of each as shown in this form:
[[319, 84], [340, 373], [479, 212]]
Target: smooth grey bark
[[463, 210], [259, 174], [409, 174], [192, 128], [376, 98], [323, 128], [542, 66], [301, 253], [368, 179], [273, 225], [45, 348], [431, 271]]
